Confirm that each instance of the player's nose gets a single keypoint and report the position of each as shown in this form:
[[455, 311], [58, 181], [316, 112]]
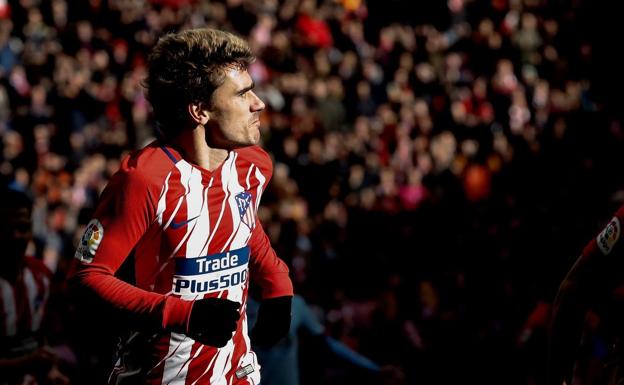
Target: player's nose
[[257, 104]]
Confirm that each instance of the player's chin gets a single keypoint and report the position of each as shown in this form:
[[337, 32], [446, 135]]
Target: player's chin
[[252, 140], [254, 135]]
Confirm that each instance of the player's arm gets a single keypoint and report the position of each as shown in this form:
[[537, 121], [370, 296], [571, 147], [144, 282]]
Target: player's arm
[[309, 323], [312, 326], [126, 210], [271, 274], [588, 279]]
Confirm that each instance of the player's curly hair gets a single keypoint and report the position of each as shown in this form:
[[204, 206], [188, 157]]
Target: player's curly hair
[[187, 67]]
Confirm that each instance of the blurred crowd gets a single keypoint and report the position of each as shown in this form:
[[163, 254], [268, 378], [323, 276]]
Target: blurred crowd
[[437, 166]]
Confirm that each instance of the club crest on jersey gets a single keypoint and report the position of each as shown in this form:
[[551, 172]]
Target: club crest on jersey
[[244, 202], [90, 241], [609, 236]]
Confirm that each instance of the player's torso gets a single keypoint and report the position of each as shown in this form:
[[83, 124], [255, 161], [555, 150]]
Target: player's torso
[[197, 245], [197, 248]]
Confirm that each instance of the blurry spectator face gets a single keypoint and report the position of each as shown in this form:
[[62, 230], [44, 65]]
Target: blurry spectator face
[[234, 117], [84, 31], [486, 27], [348, 64], [13, 145], [458, 110], [406, 61], [319, 89], [455, 6], [120, 51], [291, 147], [551, 27], [34, 16], [363, 90], [425, 73], [541, 94], [529, 21], [59, 12]]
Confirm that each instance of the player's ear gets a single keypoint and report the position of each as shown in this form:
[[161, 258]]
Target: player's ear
[[199, 113]]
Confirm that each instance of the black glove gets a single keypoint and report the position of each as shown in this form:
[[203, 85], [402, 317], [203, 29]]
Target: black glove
[[273, 321], [213, 320]]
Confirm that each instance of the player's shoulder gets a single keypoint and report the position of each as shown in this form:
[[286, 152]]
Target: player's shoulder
[[619, 213], [149, 165], [610, 234], [257, 156]]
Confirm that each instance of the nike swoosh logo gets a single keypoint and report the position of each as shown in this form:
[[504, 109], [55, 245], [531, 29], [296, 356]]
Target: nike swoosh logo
[[175, 225]]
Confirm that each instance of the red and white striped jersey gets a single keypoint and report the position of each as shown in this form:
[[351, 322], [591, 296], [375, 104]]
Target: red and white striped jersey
[[195, 234], [23, 307]]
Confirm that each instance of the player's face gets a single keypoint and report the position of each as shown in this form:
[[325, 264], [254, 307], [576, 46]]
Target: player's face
[[235, 115]]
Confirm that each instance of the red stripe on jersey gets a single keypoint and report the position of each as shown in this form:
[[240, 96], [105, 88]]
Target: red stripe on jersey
[[217, 208], [200, 366], [222, 232]]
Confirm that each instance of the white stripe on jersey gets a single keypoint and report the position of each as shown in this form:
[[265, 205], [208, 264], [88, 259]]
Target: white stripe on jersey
[[175, 369], [162, 200], [248, 175], [262, 180], [10, 311], [185, 176], [204, 250], [179, 352], [228, 162], [195, 205]]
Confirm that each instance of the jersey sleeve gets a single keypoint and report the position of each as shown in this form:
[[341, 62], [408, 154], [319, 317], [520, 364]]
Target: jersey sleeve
[[266, 268], [608, 239], [126, 210]]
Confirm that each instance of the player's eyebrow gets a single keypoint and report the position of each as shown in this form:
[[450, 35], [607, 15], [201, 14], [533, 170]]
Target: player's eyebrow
[[248, 88]]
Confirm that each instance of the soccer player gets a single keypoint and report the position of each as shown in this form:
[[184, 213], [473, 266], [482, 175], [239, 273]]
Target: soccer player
[[186, 204], [24, 292], [590, 282]]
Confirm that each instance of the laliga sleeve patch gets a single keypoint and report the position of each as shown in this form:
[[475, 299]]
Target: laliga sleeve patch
[[609, 236], [90, 241]]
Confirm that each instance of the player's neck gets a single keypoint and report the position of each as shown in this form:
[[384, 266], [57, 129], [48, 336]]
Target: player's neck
[[193, 147]]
